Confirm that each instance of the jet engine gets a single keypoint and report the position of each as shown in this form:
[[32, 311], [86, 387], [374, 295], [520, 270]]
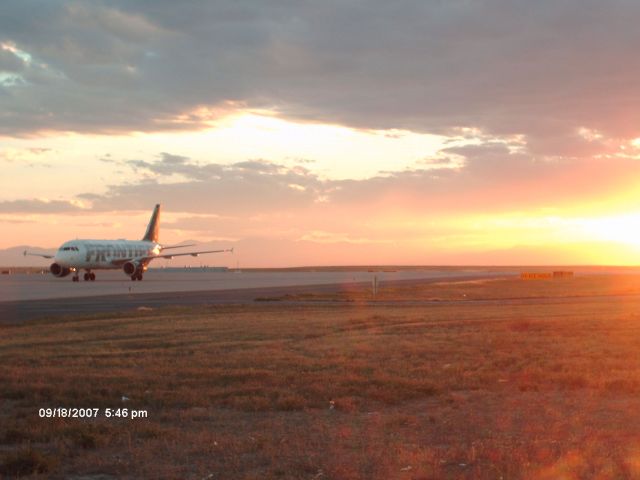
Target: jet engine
[[59, 271], [130, 268]]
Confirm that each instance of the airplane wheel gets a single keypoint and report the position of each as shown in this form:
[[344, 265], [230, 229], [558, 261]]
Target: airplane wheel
[[133, 278], [92, 277], [139, 277], [75, 279], [86, 277]]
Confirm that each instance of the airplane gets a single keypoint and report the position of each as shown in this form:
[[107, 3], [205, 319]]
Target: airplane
[[132, 256]]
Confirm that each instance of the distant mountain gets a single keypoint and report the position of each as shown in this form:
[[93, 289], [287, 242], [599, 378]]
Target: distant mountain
[[13, 256]]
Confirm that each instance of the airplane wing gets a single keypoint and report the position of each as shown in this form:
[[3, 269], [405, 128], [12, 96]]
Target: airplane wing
[[193, 254], [122, 261], [176, 246], [25, 253]]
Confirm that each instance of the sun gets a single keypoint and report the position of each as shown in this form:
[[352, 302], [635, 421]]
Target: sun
[[619, 228]]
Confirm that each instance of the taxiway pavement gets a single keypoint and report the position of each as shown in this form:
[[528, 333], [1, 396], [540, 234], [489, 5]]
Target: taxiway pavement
[[24, 310]]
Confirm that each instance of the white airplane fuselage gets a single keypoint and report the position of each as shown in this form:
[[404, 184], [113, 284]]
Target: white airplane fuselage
[[102, 254]]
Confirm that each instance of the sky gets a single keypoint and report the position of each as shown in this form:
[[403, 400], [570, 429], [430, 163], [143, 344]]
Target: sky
[[350, 132]]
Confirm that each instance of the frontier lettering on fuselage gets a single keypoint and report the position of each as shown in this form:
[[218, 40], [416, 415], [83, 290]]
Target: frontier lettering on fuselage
[[102, 252]]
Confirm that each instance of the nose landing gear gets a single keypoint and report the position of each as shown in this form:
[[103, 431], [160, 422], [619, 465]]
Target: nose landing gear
[[136, 276]]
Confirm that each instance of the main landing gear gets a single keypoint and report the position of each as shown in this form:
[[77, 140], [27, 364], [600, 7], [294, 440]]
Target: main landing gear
[[136, 276], [88, 276]]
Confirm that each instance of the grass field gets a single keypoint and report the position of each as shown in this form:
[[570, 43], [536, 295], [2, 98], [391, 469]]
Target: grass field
[[545, 386]]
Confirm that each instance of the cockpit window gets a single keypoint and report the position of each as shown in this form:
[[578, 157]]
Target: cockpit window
[[70, 249]]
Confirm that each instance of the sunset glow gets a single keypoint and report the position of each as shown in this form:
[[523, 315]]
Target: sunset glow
[[308, 146]]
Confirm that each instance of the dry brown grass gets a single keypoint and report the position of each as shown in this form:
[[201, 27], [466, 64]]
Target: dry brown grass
[[479, 289], [340, 391]]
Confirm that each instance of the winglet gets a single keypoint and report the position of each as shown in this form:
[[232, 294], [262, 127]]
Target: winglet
[[153, 228]]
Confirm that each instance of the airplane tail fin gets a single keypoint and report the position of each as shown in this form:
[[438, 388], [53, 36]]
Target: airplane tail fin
[[153, 228]]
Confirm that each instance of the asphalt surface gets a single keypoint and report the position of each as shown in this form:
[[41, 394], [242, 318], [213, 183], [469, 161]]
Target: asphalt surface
[[114, 282], [20, 311]]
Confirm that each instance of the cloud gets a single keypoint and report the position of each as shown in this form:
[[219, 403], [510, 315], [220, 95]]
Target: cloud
[[494, 196], [34, 157], [541, 69], [491, 177], [9, 61], [243, 187], [38, 206], [169, 165], [494, 176]]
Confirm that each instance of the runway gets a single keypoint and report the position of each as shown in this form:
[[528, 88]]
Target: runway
[[29, 297], [115, 282], [19, 312]]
